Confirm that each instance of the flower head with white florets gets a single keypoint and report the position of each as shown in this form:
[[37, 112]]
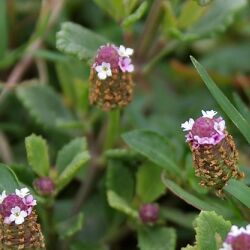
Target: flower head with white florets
[[237, 239], [207, 129], [110, 58], [15, 207]]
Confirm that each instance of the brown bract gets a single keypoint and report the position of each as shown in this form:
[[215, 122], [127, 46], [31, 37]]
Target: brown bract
[[28, 235], [114, 92], [216, 164]]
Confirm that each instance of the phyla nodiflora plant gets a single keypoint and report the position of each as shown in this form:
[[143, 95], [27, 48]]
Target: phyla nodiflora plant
[[213, 149], [111, 77]]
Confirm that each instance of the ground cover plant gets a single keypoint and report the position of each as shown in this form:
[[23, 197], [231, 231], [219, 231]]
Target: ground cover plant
[[125, 124]]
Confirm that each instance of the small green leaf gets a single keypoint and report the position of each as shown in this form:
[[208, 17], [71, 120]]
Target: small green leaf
[[208, 226], [120, 180], [156, 238], [243, 108], [155, 147], [139, 12], [239, 190], [116, 202], [69, 152], [8, 179], [78, 41], [149, 186], [223, 101], [44, 105], [37, 154], [72, 169], [70, 226]]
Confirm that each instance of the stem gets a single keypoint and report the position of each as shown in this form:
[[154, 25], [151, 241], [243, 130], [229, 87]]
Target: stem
[[113, 128], [150, 29]]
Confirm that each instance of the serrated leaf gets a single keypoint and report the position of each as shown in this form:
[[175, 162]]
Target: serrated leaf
[[223, 101], [139, 12], [120, 180], [44, 105], [154, 146], [157, 238], [70, 226], [72, 169], [149, 186], [218, 17], [8, 179], [37, 154], [78, 41], [116, 202], [66, 155], [239, 190], [208, 226]]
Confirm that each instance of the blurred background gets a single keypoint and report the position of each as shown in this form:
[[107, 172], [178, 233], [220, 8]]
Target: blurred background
[[168, 90]]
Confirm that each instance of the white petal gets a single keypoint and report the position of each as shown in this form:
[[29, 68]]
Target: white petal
[[109, 72], [98, 68], [19, 220], [102, 75], [2, 196], [209, 114], [129, 52], [188, 125], [15, 210], [12, 217], [106, 65], [23, 214]]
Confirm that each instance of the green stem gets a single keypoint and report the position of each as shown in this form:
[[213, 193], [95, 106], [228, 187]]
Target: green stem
[[113, 128]]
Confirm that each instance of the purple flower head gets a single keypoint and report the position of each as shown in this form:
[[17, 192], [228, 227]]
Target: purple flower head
[[206, 130], [125, 65], [44, 186], [237, 239], [108, 54], [10, 202], [16, 206], [149, 213]]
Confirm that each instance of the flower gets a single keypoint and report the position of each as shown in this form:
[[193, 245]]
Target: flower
[[29, 201], [125, 65], [17, 215], [44, 186], [111, 84], [125, 52], [214, 152], [149, 213], [237, 239], [187, 126], [103, 70], [22, 192], [2, 196], [209, 114]]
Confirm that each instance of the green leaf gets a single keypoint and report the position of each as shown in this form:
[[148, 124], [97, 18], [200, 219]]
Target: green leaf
[[120, 180], [8, 179], [132, 18], [72, 169], [218, 17], [116, 202], [243, 108], [155, 147], [156, 238], [3, 28], [70, 226], [239, 190], [194, 200], [78, 41], [188, 247], [37, 154], [149, 186], [223, 101], [66, 155], [203, 2], [44, 105], [210, 228]]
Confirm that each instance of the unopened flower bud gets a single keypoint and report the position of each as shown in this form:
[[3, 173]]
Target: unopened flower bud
[[237, 239], [18, 222], [111, 84], [214, 152], [44, 186], [149, 213]]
